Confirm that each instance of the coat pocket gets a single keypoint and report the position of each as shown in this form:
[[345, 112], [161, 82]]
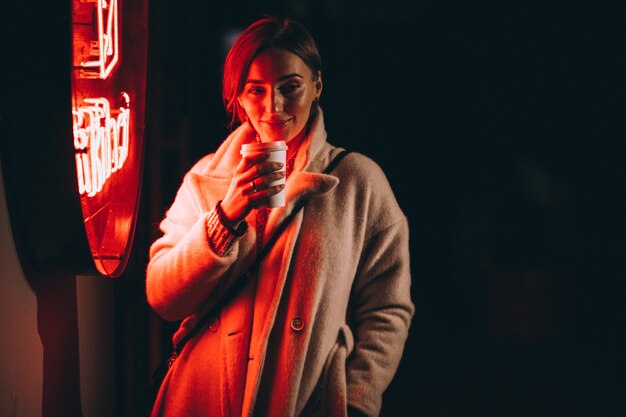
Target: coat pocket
[[334, 388]]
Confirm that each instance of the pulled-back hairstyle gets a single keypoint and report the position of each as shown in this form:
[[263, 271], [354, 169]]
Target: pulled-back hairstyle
[[263, 34]]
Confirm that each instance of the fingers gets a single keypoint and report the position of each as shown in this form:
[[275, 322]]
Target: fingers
[[255, 168], [260, 198], [263, 169], [255, 165], [265, 181], [254, 181], [249, 160]]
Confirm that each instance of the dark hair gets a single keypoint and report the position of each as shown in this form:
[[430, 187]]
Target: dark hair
[[265, 33]]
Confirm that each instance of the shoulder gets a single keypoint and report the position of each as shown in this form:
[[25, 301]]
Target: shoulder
[[199, 191], [362, 167], [363, 173], [205, 169], [363, 178], [201, 166]]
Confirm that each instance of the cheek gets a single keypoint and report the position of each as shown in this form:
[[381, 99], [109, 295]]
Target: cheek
[[302, 106], [250, 108]]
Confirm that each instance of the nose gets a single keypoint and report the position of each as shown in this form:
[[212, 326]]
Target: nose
[[275, 103]]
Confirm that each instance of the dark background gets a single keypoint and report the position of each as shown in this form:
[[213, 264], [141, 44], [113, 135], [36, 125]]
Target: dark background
[[500, 126], [501, 130]]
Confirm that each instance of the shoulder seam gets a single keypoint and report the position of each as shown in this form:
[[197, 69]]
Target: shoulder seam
[[385, 228]]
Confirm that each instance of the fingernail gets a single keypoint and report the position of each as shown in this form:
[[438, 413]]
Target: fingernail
[[279, 165]]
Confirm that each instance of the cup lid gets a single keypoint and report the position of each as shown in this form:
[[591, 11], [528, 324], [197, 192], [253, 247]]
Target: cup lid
[[264, 146]]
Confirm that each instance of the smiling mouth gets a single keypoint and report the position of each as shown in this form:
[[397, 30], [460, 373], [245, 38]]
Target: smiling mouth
[[276, 124]]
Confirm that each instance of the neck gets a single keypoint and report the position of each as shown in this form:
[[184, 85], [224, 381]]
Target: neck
[[294, 144]]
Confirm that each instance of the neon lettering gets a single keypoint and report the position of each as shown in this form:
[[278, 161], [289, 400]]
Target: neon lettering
[[106, 48], [101, 141]]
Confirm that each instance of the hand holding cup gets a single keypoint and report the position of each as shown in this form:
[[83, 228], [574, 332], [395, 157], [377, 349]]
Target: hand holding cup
[[258, 180]]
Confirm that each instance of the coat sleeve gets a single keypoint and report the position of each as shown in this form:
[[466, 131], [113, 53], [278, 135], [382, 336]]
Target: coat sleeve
[[381, 308], [183, 270]]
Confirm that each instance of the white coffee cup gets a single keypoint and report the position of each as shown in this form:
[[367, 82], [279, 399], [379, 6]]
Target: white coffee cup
[[278, 153]]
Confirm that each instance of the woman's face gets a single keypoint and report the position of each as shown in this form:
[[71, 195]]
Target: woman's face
[[278, 94]]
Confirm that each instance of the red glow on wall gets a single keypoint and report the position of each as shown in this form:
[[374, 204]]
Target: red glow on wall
[[101, 140]]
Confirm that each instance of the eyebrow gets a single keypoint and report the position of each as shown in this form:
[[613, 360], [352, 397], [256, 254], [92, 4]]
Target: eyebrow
[[284, 77]]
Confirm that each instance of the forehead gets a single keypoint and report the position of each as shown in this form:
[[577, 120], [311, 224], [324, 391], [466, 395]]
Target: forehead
[[272, 64]]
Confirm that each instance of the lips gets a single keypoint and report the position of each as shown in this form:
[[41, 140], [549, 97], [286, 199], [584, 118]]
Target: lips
[[276, 123]]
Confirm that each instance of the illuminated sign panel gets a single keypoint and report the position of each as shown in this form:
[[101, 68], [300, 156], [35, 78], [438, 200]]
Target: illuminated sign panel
[[99, 56], [101, 142], [72, 172], [108, 101]]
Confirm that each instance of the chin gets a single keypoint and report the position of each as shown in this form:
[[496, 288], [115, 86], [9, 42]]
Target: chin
[[276, 136]]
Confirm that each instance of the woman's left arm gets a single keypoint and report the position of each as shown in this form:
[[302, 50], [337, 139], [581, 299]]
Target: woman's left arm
[[382, 312]]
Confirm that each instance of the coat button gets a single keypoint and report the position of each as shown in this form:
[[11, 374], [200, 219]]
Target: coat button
[[213, 325], [297, 324]]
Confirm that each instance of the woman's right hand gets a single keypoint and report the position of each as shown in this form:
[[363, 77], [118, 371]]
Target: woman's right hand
[[250, 188]]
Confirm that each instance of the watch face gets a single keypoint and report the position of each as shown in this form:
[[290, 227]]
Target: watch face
[[108, 101]]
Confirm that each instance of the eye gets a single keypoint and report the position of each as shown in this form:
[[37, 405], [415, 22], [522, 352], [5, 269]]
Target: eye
[[289, 88], [255, 91]]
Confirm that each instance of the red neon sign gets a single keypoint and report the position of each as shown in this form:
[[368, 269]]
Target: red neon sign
[[101, 140], [107, 132], [102, 54]]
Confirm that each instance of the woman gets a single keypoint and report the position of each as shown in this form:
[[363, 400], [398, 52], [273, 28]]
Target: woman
[[321, 328]]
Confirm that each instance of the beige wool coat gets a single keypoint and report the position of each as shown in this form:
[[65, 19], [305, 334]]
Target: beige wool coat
[[325, 325]]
